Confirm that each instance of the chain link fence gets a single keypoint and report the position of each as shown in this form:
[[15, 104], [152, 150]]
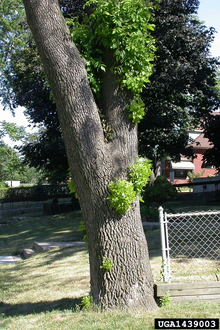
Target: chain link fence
[[189, 235]]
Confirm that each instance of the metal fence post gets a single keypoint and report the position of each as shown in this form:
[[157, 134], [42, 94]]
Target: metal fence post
[[163, 244]]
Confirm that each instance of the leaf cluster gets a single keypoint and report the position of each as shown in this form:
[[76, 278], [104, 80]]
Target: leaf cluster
[[86, 302], [139, 174], [212, 155], [136, 110], [122, 27], [182, 85], [124, 192], [160, 192], [106, 264], [121, 196]]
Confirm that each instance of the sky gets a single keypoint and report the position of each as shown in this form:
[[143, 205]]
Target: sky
[[209, 12]]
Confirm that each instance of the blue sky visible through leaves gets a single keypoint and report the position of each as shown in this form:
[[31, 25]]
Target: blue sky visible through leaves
[[209, 13]]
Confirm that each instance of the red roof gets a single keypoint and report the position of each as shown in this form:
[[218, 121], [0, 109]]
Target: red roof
[[201, 142]]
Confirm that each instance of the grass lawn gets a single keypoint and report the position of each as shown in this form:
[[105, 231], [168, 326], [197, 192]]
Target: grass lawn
[[179, 207], [22, 233], [44, 292]]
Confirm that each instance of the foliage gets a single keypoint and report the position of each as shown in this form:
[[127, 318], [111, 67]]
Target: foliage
[[123, 27], [86, 302], [82, 228], [178, 80], [150, 212], [16, 133], [3, 192], [136, 110], [139, 174], [165, 300], [72, 188], [212, 127], [38, 190], [47, 151], [193, 175], [11, 162], [123, 192], [24, 84], [106, 264], [121, 195], [11, 166], [12, 17], [182, 85], [160, 192]]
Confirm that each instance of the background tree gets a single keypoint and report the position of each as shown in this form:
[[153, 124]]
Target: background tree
[[182, 87], [23, 83], [120, 29], [12, 167], [212, 132], [180, 94]]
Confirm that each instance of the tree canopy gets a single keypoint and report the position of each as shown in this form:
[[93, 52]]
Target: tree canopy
[[212, 132], [182, 87], [12, 167], [114, 41], [180, 93]]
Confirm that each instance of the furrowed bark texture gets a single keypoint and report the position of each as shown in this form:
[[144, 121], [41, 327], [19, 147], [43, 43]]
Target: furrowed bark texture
[[94, 163]]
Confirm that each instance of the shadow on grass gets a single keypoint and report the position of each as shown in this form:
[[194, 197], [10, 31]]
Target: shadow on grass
[[47, 258], [59, 254], [39, 307], [154, 242]]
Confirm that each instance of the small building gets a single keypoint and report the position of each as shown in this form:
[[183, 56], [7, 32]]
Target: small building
[[177, 172], [13, 184], [206, 184]]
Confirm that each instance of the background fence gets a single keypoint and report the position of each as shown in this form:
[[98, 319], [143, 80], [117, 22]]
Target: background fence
[[189, 235]]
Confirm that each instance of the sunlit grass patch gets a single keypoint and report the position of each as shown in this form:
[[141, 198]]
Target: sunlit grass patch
[[21, 234]]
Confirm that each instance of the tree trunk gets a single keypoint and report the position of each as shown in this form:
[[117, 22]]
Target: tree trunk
[[95, 163]]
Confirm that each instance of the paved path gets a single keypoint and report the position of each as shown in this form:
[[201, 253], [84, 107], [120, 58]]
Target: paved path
[[38, 247], [9, 259], [43, 246]]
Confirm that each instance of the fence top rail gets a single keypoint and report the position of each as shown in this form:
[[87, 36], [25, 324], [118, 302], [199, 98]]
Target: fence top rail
[[188, 214]]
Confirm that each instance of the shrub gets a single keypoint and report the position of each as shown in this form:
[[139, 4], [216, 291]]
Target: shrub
[[3, 192], [160, 192], [193, 175], [150, 212]]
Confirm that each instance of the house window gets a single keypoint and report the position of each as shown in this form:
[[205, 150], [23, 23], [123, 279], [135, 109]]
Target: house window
[[180, 174]]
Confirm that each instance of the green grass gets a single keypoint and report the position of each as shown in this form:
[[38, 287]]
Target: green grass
[[178, 207], [117, 320], [44, 292], [22, 233]]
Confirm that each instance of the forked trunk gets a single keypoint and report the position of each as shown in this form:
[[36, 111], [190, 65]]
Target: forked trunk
[[118, 241]]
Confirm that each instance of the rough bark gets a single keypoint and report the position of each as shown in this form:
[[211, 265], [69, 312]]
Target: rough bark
[[94, 163]]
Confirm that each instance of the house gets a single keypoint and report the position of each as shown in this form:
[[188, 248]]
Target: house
[[177, 172], [200, 145]]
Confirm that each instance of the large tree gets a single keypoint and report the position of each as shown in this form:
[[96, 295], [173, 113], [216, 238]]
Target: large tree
[[180, 93], [119, 261], [182, 86]]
